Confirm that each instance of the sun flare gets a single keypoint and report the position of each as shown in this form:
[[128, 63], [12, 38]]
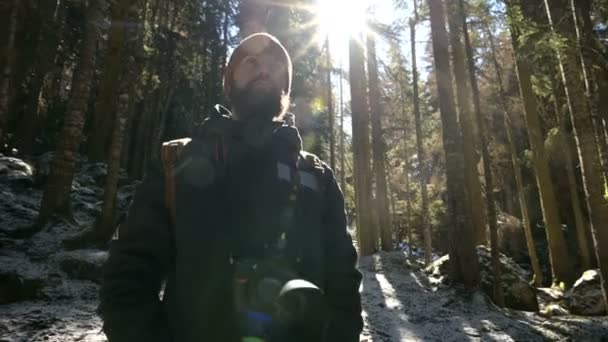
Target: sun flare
[[341, 19]]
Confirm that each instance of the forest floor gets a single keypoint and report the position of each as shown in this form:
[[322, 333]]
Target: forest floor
[[398, 306], [53, 292]]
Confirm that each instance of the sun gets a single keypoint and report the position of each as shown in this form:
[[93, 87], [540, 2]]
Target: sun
[[340, 20]]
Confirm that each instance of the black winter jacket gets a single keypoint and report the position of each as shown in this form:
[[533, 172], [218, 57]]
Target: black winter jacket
[[220, 214]]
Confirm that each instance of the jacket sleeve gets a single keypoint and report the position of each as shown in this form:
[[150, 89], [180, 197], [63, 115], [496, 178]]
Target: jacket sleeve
[[342, 279], [136, 267]]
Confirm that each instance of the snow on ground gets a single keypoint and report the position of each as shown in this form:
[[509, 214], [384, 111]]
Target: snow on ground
[[64, 321], [400, 305], [398, 301]]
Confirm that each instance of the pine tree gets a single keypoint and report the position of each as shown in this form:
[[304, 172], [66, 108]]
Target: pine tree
[[46, 47], [342, 138], [366, 234], [106, 105], [487, 162], [595, 75], [105, 224], [523, 205], [56, 197], [571, 73], [7, 71], [464, 265], [463, 94], [330, 108], [424, 201], [379, 162], [253, 17], [561, 263]]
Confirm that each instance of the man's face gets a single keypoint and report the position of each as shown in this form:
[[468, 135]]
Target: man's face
[[258, 82]]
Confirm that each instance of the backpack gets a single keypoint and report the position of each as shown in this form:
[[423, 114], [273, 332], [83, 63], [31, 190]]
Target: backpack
[[217, 130]]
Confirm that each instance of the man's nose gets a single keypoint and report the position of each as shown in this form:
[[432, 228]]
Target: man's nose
[[263, 71]]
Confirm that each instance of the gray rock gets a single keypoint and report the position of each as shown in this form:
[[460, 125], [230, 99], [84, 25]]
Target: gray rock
[[95, 174], [16, 171], [518, 293], [586, 297], [511, 237], [83, 264], [84, 179]]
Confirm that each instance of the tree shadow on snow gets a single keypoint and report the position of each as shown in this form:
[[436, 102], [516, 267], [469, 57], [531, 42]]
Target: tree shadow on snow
[[385, 319], [442, 315]]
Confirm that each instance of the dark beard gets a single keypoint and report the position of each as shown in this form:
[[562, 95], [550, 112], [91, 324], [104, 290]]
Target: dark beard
[[247, 104]]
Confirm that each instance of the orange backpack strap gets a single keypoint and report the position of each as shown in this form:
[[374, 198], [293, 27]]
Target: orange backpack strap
[[169, 155]]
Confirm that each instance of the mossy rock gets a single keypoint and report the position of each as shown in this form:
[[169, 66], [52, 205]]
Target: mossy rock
[[586, 297], [518, 293]]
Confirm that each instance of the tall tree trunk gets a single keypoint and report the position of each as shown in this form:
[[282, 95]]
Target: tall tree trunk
[[424, 198], [408, 198], [566, 143], [56, 197], [214, 77], [377, 111], [28, 32], [596, 74], [391, 200], [225, 38], [580, 114], [142, 138], [46, 55], [473, 186], [105, 224], [464, 264], [342, 147], [6, 9], [487, 162], [361, 149], [561, 263], [521, 195], [145, 114], [7, 72], [581, 226], [105, 106], [330, 109], [253, 17]]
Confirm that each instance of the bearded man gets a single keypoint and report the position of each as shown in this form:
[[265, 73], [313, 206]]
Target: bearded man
[[246, 235]]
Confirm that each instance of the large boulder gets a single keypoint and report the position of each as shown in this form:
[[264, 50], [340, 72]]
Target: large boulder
[[586, 297], [83, 264], [17, 209], [518, 293], [16, 171], [511, 236]]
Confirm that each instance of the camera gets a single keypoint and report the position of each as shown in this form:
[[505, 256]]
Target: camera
[[274, 305]]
